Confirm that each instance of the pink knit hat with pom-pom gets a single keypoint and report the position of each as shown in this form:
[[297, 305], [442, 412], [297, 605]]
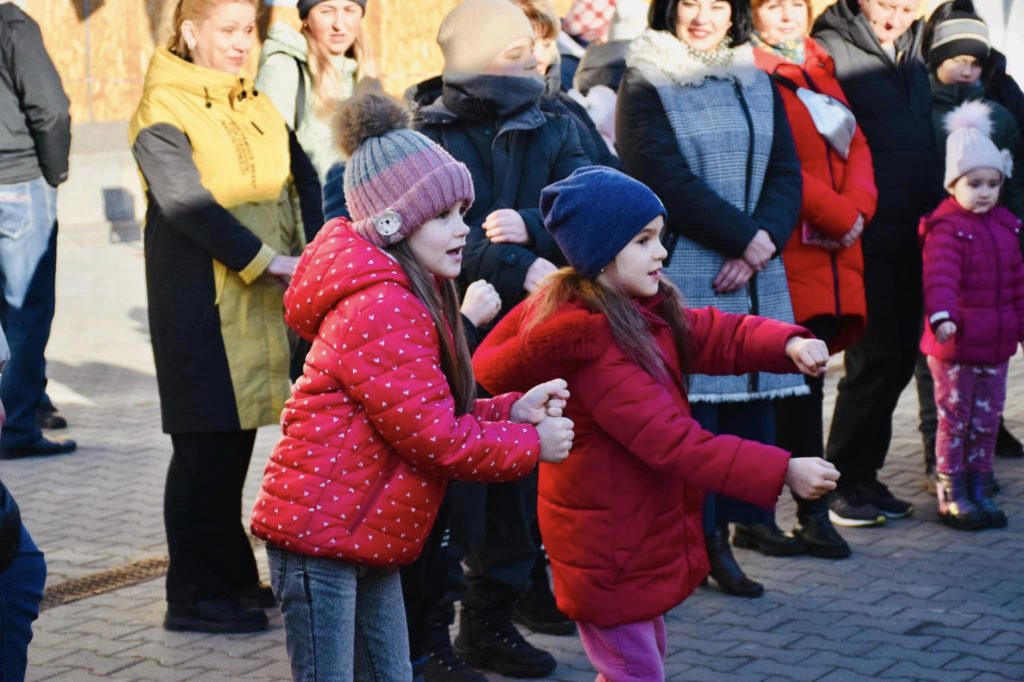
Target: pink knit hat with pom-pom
[[970, 146]]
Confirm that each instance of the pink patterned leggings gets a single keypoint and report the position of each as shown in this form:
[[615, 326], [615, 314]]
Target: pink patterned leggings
[[634, 652], [970, 400]]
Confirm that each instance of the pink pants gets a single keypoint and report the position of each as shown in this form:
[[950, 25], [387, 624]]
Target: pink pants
[[970, 400], [634, 652]]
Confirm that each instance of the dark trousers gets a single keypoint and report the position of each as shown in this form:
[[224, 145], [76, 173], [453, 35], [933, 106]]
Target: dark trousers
[[424, 585], [798, 420], [210, 554], [878, 366], [21, 591], [754, 420], [926, 410]]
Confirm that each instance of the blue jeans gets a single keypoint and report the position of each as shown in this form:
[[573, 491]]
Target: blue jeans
[[342, 622], [21, 590], [28, 269]]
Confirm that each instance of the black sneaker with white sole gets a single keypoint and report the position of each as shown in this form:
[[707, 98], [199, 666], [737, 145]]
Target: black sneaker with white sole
[[850, 508], [879, 495]]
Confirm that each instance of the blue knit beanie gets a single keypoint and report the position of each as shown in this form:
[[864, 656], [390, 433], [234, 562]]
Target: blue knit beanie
[[593, 214]]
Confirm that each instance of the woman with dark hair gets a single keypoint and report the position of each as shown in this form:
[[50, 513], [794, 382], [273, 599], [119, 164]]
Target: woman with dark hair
[[824, 262], [706, 130]]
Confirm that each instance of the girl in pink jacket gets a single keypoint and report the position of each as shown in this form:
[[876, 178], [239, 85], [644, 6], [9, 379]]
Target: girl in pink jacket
[[974, 315]]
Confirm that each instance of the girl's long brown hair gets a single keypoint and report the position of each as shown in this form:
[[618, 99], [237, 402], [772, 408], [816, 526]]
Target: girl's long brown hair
[[629, 328], [443, 305]]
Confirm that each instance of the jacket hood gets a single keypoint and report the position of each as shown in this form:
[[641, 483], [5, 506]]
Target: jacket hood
[[660, 52], [283, 39], [167, 70], [337, 264], [845, 19]]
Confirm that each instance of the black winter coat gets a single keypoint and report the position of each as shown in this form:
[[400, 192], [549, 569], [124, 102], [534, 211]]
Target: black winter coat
[[511, 161], [892, 103], [35, 124], [1001, 87]]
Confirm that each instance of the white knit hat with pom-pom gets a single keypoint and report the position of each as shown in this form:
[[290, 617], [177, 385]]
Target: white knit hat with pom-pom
[[969, 145]]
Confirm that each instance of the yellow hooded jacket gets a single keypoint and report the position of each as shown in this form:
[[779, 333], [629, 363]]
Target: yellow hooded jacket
[[215, 160]]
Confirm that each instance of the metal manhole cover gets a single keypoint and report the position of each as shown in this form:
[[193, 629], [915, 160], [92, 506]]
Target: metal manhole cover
[[103, 582]]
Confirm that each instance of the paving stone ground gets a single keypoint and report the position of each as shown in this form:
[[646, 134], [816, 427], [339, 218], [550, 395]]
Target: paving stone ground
[[917, 601]]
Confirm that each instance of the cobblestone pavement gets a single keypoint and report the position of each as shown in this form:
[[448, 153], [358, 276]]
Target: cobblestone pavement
[[917, 601]]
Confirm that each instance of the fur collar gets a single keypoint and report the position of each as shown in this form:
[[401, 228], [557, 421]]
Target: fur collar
[[660, 52]]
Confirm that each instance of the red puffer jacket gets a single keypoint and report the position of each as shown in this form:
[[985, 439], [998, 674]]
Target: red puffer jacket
[[621, 517], [370, 432], [824, 282], [973, 275]]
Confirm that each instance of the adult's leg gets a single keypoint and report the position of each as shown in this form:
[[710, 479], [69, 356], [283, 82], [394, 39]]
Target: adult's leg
[[878, 367], [28, 267], [320, 605], [626, 653], [21, 591], [927, 414], [381, 646], [210, 554], [424, 583]]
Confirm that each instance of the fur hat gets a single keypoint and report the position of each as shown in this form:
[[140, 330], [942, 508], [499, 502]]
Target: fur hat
[[395, 179], [593, 213], [477, 31], [306, 5], [969, 145]]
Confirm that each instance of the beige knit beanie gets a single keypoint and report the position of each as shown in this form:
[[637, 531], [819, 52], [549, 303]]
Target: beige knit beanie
[[969, 145], [477, 31]]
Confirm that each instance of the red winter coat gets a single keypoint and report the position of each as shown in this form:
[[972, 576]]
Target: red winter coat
[[823, 282], [621, 517], [974, 276], [370, 432]]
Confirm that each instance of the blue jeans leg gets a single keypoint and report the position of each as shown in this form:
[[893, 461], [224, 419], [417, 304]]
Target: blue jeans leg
[[21, 590], [342, 622], [28, 267]]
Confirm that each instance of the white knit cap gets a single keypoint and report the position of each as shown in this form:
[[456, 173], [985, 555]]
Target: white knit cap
[[969, 145]]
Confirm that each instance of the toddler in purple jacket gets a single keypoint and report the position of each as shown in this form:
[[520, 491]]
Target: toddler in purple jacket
[[974, 315]]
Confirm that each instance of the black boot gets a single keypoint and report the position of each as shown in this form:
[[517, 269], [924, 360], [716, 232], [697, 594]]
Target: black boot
[[442, 665], [225, 614], [980, 488], [725, 570], [929, 466], [492, 642], [768, 539], [1007, 444], [820, 537], [537, 610], [955, 506]]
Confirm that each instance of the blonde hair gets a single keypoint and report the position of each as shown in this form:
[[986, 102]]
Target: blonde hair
[[629, 328], [542, 17], [195, 11], [327, 84]]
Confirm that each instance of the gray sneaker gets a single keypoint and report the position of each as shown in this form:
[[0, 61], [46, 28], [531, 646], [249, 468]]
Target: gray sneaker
[[850, 508]]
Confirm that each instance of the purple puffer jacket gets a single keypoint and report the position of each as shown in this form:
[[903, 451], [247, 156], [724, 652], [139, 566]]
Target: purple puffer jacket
[[974, 276]]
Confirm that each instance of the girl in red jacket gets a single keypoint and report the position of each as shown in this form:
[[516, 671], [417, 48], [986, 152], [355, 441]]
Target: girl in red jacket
[[974, 315], [385, 411], [622, 519]]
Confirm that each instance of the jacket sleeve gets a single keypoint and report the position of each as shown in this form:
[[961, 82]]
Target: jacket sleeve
[[652, 425], [164, 156], [278, 79], [503, 265], [390, 364], [723, 343], [942, 263], [307, 184], [834, 212], [43, 101], [650, 153], [778, 207], [496, 409]]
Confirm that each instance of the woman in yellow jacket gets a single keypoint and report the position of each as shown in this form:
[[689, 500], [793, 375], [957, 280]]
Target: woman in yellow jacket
[[223, 228]]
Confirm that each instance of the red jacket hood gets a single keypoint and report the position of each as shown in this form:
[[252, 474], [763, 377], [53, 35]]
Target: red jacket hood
[[338, 256]]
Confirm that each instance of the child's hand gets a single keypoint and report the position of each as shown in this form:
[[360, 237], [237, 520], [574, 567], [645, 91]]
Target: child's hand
[[555, 439], [809, 355], [481, 303], [506, 226], [541, 401], [811, 477], [537, 273], [945, 331]]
